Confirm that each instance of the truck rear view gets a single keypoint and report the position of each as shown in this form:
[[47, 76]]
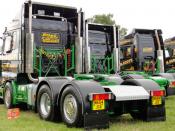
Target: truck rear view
[[42, 50]]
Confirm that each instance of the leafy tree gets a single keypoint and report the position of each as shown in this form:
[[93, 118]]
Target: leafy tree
[[108, 19]]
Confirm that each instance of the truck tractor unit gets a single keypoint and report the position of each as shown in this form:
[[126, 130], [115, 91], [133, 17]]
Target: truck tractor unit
[[55, 63], [142, 56], [102, 63]]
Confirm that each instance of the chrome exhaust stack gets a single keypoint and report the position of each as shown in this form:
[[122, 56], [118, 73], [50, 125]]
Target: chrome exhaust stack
[[30, 48], [116, 50], [29, 43], [160, 53], [79, 47], [87, 51]]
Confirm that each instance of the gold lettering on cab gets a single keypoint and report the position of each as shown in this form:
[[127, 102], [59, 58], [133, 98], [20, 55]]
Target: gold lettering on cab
[[50, 38], [170, 61], [126, 62]]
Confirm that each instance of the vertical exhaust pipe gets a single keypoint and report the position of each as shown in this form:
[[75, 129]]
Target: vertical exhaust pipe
[[87, 52], [116, 49], [29, 43], [159, 53], [29, 47], [78, 47]]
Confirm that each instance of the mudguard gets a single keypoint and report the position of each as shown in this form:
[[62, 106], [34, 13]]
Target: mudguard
[[55, 84], [153, 113], [92, 119], [148, 85]]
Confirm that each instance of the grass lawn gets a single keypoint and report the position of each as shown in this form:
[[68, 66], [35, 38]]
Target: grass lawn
[[30, 121]]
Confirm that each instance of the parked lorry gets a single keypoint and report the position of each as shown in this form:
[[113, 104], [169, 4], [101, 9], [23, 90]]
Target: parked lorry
[[142, 53], [103, 61], [48, 63]]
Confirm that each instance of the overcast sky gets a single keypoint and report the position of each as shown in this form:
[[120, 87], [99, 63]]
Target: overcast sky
[[150, 14]]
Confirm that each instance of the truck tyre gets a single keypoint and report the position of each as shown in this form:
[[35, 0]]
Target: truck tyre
[[8, 96], [44, 103], [71, 107]]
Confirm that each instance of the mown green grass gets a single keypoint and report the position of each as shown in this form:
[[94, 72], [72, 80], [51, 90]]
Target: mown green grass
[[30, 121]]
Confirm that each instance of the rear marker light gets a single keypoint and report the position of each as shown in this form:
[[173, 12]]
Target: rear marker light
[[158, 93], [98, 96]]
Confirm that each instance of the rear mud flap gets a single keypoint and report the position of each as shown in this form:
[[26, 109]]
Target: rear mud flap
[[99, 120], [156, 114]]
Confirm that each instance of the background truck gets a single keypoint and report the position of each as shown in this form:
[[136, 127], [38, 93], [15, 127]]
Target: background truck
[[142, 53], [43, 58], [102, 60]]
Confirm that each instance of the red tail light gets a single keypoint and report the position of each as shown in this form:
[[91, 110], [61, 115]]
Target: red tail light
[[98, 96], [158, 93]]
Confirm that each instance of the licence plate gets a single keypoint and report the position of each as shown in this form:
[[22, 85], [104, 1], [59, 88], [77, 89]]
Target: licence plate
[[98, 104], [156, 100]]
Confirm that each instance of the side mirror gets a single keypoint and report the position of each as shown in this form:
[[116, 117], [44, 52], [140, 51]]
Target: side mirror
[[2, 43]]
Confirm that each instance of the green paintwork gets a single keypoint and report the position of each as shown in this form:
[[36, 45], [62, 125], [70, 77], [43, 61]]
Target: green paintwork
[[171, 71], [101, 78], [19, 93], [52, 55], [163, 82], [106, 64]]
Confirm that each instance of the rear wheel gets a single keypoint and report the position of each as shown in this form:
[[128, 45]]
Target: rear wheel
[[44, 103], [8, 96], [71, 107]]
